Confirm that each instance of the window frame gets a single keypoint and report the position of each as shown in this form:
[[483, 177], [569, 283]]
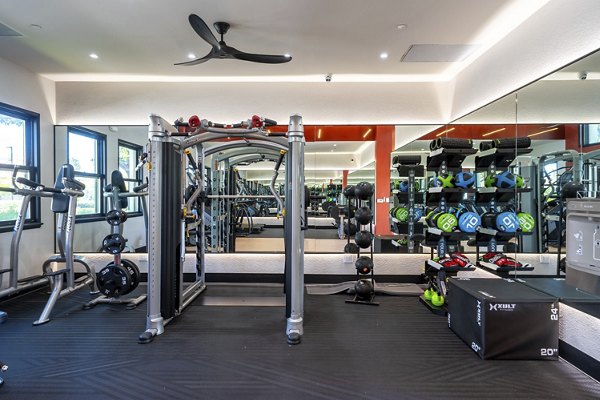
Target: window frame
[[584, 132], [139, 178], [101, 140], [32, 162]]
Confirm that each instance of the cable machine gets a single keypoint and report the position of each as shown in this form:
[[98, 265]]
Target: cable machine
[[167, 159]]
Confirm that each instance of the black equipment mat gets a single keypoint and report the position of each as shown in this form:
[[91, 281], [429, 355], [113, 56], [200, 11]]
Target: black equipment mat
[[569, 295], [397, 350]]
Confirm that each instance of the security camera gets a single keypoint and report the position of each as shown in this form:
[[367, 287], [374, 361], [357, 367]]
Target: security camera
[[328, 77], [583, 75]]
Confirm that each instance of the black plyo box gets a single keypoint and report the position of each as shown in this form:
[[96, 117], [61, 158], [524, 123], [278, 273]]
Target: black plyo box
[[503, 319]]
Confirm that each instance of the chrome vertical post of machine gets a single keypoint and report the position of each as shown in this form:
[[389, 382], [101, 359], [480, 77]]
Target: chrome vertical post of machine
[[69, 234], [156, 134], [18, 230], [294, 329], [201, 230]]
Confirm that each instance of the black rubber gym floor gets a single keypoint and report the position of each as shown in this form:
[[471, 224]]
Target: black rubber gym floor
[[398, 350]]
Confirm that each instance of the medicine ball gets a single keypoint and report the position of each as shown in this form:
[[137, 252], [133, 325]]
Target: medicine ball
[[571, 190], [444, 181], [403, 186], [349, 191], [506, 180], [507, 221], [363, 288], [401, 214], [351, 248], [520, 182], [445, 221], [364, 190], [363, 215], [350, 228], [526, 222], [468, 221], [490, 181], [364, 265], [363, 239], [464, 180]]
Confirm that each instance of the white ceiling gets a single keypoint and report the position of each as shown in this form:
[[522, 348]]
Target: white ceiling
[[140, 38]]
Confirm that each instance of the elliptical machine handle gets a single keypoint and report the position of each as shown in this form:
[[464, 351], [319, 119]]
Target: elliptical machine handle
[[27, 182], [140, 188]]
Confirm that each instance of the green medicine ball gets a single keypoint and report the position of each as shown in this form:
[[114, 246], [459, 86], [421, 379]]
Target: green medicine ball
[[526, 222], [402, 214], [445, 181], [489, 181], [520, 182], [447, 222]]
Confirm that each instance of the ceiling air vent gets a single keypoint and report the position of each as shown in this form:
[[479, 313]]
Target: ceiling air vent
[[438, 52], [6, 30]]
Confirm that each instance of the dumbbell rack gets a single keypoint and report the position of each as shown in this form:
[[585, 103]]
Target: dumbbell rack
[[356, 299], [442, 161], [490, 161], [410, 228]]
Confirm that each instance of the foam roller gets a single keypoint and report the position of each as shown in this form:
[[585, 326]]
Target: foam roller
[[520, 143], [453, 143], [485, 145], [407, 160]]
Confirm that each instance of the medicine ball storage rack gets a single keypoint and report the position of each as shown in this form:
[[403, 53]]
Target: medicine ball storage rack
[[348, 227], [499, 156], [411, 229], [446, 156], [364, 288]]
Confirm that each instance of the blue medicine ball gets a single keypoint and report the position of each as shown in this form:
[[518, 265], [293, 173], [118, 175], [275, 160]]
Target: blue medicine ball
[[464, 180], [507, 221], [469, 222], [506, 180]]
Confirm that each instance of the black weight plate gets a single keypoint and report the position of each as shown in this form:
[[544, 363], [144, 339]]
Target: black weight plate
[[134, 271], [113, 280], [113, 243]]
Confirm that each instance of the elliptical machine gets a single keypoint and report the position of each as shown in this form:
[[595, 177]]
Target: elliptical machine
[[64, 203], [28, 190], [121, 276]]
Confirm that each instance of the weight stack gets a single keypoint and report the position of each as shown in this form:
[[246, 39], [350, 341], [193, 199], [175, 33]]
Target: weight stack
[[503, 319]]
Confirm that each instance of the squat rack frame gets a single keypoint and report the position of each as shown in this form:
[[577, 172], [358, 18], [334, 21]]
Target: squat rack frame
[[166, 296]]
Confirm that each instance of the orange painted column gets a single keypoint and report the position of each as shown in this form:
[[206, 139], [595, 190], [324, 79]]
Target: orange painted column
[[344, 178], [384, 145]]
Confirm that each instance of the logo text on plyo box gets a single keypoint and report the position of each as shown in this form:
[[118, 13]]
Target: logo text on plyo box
[[478, 313], [553, 312], [502, 306]]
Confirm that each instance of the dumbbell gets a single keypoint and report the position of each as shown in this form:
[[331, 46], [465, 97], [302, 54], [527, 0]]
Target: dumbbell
[[468, 221], [506, 221]]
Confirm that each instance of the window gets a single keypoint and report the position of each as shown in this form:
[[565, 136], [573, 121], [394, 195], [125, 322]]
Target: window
[[19, 148], [86, 151], [129, 154], [591, 134]]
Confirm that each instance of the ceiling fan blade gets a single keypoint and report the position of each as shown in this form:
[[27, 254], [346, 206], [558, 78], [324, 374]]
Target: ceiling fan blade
[[203, 30], [198, 60], [260, 58]]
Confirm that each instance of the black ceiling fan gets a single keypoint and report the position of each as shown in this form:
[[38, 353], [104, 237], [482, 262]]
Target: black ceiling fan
[[222, 50]]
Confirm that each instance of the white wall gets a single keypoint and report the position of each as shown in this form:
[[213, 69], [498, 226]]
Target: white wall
[[21, 88], [89, 235]]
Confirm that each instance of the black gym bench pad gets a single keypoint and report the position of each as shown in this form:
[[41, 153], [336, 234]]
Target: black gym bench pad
[[398, 350]]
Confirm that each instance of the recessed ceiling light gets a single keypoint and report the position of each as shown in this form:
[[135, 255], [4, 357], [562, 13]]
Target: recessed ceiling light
[[383, 56], [94, 56], [287, 55], [191, 56], [401, 26], [334, 145], [367, 133], [332, 150]]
